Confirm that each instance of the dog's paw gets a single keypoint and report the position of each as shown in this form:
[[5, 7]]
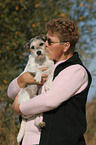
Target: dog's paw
[[46, 86], [42, 124], [37, 79], [37, 121]]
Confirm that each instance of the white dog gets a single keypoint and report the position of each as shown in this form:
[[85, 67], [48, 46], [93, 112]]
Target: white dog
[[37, 59]]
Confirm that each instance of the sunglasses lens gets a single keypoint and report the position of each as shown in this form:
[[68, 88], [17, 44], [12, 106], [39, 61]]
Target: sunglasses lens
[[49, 41]]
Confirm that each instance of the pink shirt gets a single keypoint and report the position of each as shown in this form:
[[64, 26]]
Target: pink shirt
[[69, 81]]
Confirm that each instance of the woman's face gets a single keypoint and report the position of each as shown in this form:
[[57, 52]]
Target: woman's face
[[54, 48]]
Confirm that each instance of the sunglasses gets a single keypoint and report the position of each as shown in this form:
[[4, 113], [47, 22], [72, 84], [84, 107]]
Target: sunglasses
[[50, 42]]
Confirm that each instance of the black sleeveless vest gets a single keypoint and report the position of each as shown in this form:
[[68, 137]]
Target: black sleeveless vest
[[66, 124]]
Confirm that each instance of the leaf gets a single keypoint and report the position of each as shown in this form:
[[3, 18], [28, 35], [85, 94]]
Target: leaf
[[24, 53], [81, 4], [33, 25], [17, 32], [63, 15], [80, 18], [85, 55], [7, 48], [17, 8], [4, 81], [37, 5], [1, 51], [87, 5]]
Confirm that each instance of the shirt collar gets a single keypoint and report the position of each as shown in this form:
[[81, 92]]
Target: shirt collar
[[59, 63]]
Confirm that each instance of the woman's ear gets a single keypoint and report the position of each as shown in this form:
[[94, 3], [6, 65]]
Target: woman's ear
[[66, 46]]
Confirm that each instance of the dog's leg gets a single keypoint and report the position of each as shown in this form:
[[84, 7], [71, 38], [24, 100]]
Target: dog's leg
[[39, 124], [21, 131], [38, 75]]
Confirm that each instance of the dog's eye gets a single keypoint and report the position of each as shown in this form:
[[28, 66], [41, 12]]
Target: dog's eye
[[41, 44], [32, 47]]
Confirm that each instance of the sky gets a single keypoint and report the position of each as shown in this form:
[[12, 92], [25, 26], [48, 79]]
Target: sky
[[92, 69], [91, 61]]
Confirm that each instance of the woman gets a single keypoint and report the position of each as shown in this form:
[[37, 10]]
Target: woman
[[63, 105]]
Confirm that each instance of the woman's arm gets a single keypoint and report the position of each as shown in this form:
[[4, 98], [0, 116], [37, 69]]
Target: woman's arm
[[18, 83], [13, 89], [21, 81], [70, 81]]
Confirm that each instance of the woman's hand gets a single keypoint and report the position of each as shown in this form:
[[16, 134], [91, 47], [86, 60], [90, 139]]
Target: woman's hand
[[28, 78], [15, 106], [24, 79]]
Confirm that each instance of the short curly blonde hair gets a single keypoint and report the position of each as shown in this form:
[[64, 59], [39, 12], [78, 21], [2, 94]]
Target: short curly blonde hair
[[65, 29]]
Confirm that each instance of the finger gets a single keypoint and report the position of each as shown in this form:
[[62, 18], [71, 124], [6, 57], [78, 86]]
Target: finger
[[43, 80], [44, 75]]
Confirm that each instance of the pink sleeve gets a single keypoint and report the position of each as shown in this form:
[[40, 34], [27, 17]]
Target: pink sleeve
[[70, 81], [13, 89]]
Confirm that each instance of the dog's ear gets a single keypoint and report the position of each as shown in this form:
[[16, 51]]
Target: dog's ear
[[27, 45], [42, 37], [31, 40], [38, 37]]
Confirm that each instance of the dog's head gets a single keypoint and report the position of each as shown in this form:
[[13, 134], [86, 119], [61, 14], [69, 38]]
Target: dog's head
[[37, 47]]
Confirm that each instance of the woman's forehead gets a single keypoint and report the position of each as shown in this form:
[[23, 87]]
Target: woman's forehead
[[53, 36]]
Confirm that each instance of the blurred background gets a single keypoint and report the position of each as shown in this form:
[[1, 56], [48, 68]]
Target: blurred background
[[19, 22]]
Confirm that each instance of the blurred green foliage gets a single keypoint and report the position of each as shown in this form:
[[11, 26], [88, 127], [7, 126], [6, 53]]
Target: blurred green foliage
[[19, 22]]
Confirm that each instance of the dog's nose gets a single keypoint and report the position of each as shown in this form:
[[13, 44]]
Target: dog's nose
[[39, 52]]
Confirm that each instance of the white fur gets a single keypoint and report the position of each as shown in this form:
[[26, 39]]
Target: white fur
[[35, 62]]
